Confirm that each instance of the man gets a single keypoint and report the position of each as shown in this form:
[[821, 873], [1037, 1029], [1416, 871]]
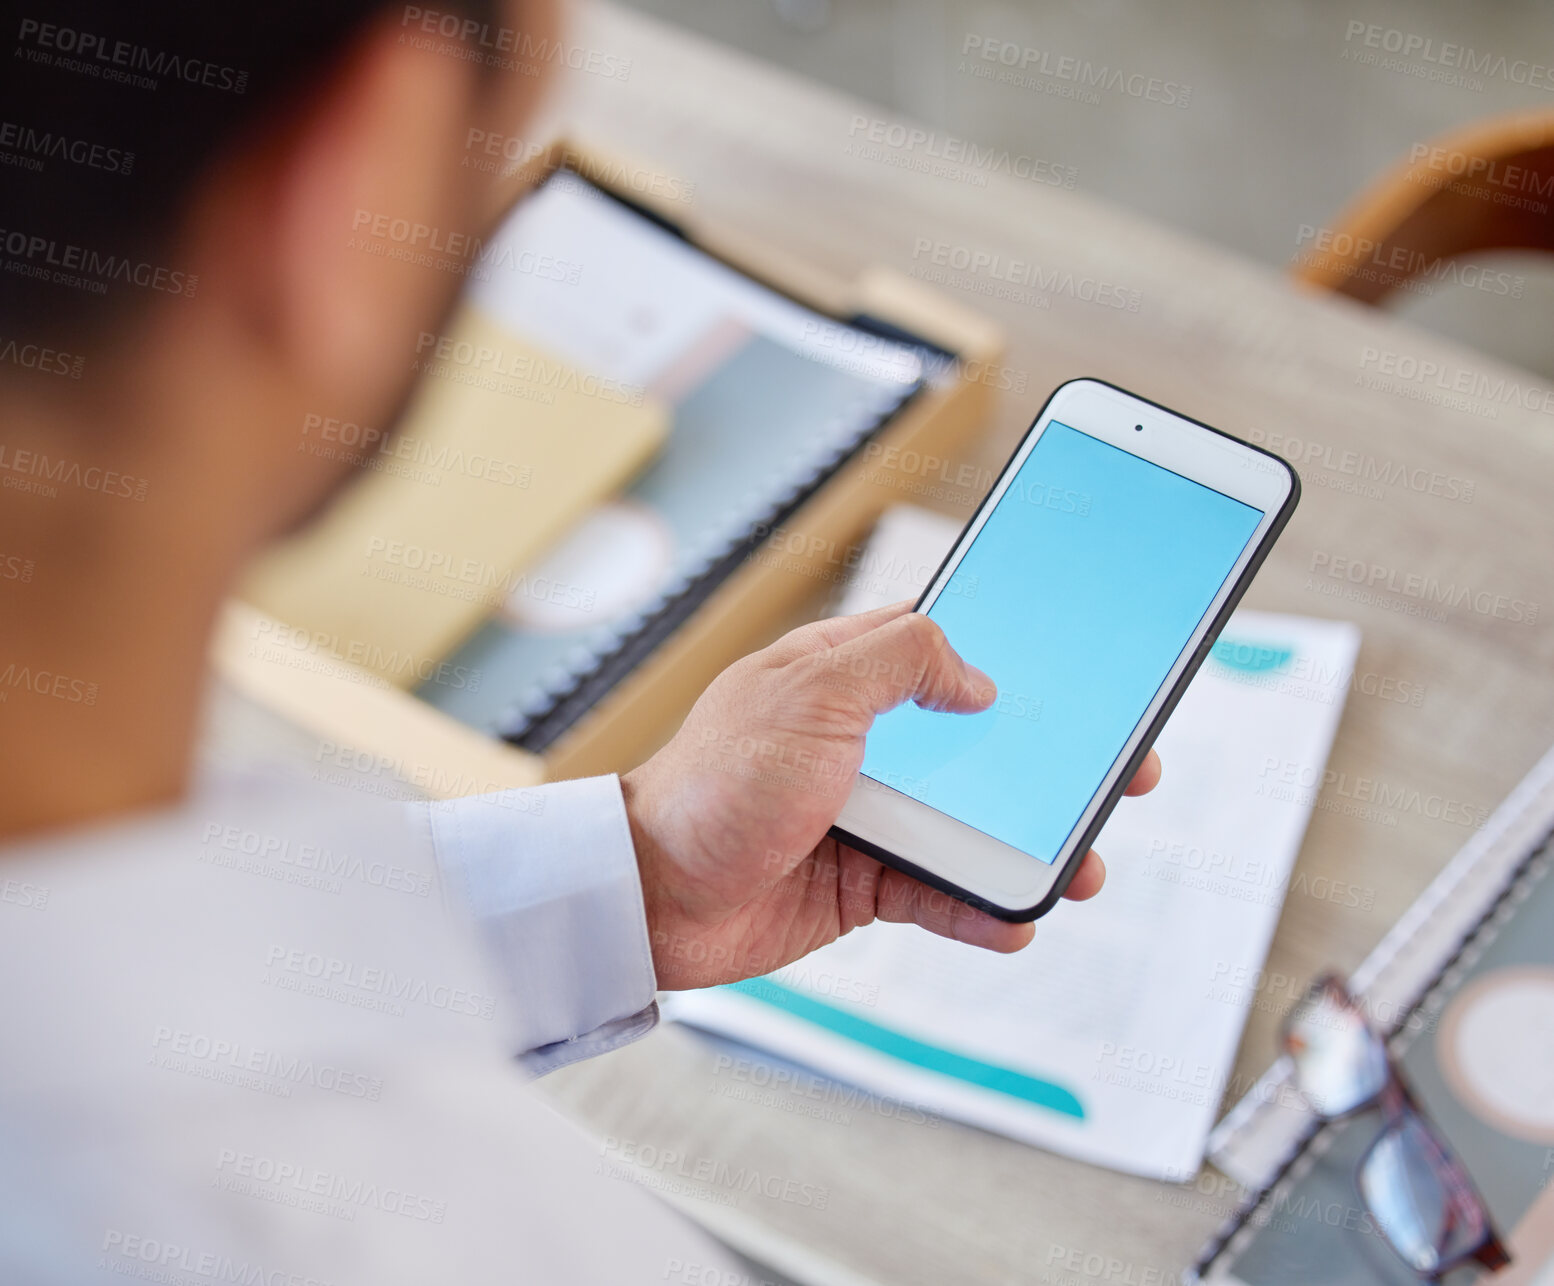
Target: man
[[217, 1066]]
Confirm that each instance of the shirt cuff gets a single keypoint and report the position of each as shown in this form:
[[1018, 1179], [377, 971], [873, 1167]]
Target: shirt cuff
[[551, 875]]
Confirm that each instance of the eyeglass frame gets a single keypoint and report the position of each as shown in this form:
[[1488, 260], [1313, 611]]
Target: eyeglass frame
[[1398, 1105]]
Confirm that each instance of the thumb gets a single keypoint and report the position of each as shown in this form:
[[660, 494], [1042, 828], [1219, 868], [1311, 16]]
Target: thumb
[[908, 659]]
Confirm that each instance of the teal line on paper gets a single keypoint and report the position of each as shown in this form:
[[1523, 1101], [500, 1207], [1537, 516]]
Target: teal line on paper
[[1004, 1080], [1251, 658]]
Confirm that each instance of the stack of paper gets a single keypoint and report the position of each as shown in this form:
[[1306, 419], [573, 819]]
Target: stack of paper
[[1112, 1036], [765, 398]]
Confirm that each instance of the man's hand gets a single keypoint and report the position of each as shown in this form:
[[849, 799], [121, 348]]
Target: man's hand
[[730, 818]]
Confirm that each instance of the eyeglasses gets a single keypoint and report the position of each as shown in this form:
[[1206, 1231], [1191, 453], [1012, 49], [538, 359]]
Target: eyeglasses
[[1414, 1188]]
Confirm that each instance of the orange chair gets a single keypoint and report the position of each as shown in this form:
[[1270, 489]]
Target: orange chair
[[1487, 186]]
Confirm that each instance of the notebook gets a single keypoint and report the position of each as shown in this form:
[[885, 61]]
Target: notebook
[[766, 400], [503, 447], [1464, 985]]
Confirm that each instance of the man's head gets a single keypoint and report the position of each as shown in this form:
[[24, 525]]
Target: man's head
[[183, 282], [186, 189]]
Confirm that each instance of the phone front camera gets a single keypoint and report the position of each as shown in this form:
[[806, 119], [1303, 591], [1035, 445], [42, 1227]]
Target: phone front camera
[[1138, 428]]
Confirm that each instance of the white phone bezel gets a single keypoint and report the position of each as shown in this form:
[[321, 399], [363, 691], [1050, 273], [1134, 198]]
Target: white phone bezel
[[961, 856]]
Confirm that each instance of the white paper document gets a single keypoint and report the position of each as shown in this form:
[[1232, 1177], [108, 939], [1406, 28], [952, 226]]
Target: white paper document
[[573, 269], [1112, 1036]]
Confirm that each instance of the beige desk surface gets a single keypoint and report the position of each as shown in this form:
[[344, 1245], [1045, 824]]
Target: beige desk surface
[[1228, 343]]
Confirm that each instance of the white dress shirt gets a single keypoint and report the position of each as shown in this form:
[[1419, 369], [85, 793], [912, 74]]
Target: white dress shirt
[[256, 1038]]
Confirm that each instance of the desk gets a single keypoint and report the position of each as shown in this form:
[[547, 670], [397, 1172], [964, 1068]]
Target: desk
[[1408, 496]]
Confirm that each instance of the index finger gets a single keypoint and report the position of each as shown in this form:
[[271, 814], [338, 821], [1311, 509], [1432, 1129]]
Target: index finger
[[833, 631], [906, 659]]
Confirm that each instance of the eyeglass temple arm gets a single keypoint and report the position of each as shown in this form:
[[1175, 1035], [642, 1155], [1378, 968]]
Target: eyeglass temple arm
[[1397, 1097], [1492, 1254]]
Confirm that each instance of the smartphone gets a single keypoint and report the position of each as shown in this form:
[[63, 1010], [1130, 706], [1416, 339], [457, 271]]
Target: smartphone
[[1090, 584]]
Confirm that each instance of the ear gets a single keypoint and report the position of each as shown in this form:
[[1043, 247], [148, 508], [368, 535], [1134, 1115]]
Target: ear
[[376, 144]]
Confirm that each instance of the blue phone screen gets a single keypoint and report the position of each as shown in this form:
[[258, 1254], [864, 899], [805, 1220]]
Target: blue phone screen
[[1078, 595]]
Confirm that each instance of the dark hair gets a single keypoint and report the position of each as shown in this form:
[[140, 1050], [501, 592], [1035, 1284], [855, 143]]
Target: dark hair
[[109, 115]]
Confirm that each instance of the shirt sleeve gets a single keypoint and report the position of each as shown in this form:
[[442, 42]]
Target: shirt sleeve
[[550, 873]]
